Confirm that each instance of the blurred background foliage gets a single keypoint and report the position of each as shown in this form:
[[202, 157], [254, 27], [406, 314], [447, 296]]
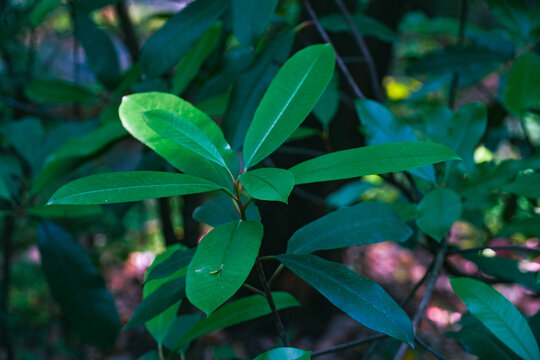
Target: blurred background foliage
[[65, 66]]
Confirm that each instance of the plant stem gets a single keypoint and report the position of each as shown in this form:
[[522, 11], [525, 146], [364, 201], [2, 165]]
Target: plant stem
[[253, 289], [275, 314], [7, 237], [428, 292], [461, 37], [495, 247], [276, 273], [160, 352], [130, 36], [429, 348], [324, 35], [373, 76], [348, 345]]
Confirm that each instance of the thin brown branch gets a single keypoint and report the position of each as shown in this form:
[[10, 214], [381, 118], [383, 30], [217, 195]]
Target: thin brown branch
[[348, 345], [461, 37], [341, 64], [426, 346], [130, 36], [428, 293], [516, 248], [373, 75], [268, 293]]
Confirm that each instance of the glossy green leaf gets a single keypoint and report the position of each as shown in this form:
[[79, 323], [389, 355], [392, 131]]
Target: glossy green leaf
[[238, 311], [75, 151], [188, 67], [285, 353], [222, 262], [56, 91], [328, 104], [366, 25], [180, 130], [250, 85], [175, 38], [221, 210], [40, 11], [270, 184], [525, 185], [111, 188], [438, 211], [468, 126], [369, 160], [362, 299], [159, 325], [365, 223], [250, 19], [521, 92], [100, 51], [290, 97], [77, 286], [181, 326], [157, 302], [383, 127], [174, 261], [498, 315], [478, 340], [185, 160], [65, 211]]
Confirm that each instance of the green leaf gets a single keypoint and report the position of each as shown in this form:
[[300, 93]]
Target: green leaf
[[362, 299], [464, 60], [365, 223], [175, 38], [222, 262], [348, 194], [304, 132], [221, 210], [4, 191], [250, 86], [176, 260], [438, 211], [65, 211], [285, 353], [504, 268], [40, 11], [111, 188], [188, 67], [366, 25], [383, 127], [75, 151], [290, 97], [26, 136], [100, 51], [328, 104], [180, 327], [236, 312], [159, 325], [185, 160], [159, 301], [56, 91], [498, 315], [177, 128], [270, 184], [370, 160], [514, 15], [525, 185], [521, 92], [77, 286], [250, 19], [479, 341], [468, 126]]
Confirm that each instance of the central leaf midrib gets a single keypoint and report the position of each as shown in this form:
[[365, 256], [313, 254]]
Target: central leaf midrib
[[280, 114]]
